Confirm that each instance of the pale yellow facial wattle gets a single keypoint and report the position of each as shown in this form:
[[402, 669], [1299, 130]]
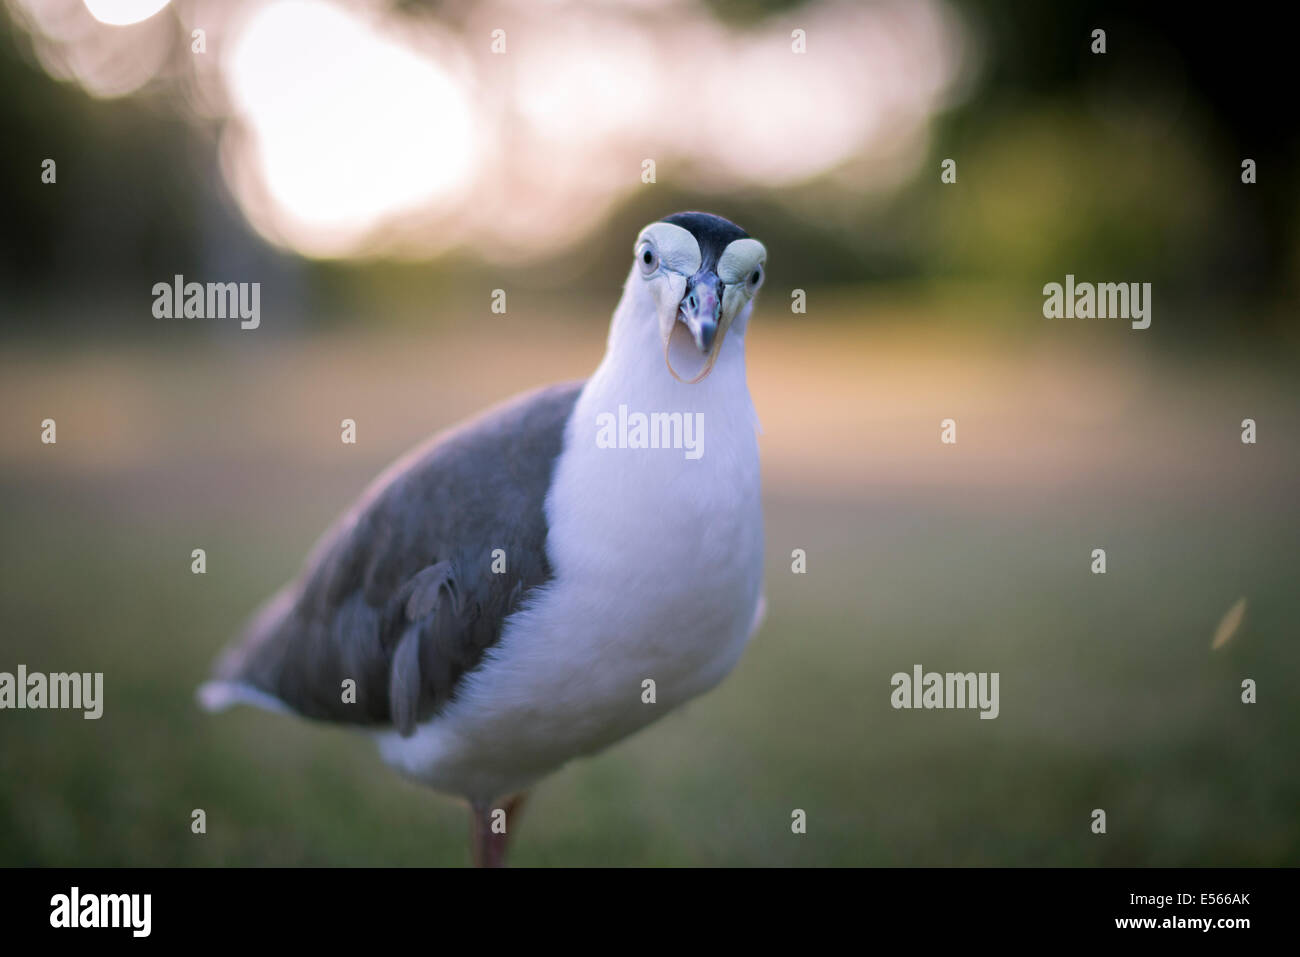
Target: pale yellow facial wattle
[[676, 257]]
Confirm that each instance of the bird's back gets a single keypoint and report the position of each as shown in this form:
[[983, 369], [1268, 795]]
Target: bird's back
[[406, 592]]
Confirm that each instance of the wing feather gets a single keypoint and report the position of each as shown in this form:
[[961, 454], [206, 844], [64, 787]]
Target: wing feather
[[399, 595]]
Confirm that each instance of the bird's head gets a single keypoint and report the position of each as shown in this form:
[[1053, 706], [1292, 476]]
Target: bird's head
[[700, 272]]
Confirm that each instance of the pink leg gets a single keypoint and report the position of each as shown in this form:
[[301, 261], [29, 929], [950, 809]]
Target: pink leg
[[489, 847]]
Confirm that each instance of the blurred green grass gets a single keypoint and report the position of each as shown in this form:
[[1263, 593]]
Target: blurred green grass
[[1110, 696]]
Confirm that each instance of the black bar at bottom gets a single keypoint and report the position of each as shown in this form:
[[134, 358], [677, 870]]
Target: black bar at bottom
[[340, 906]]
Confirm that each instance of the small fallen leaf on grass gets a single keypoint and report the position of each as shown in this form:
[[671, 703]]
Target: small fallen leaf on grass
[[1229, 625]]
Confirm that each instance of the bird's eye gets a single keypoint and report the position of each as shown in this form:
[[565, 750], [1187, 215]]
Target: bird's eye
[[755, 278], [648, 259]]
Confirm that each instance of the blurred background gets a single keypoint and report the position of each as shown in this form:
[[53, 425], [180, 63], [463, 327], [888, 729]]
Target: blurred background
[[381, 167]]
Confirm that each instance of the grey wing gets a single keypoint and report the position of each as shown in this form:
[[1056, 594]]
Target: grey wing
[[401, 596]]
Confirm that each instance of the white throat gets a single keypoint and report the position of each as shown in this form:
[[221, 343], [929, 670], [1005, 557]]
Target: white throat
[[634, 372], [665, 501]]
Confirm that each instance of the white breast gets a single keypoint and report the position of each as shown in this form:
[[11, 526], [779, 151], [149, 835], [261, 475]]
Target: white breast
[[657, 563]]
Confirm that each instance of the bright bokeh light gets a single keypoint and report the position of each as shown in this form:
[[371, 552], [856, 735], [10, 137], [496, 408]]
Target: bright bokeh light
[[121, 13], [360, 128], [346, 126]]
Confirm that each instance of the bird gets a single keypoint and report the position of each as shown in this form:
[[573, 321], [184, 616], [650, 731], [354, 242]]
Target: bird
[[534, 585]]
